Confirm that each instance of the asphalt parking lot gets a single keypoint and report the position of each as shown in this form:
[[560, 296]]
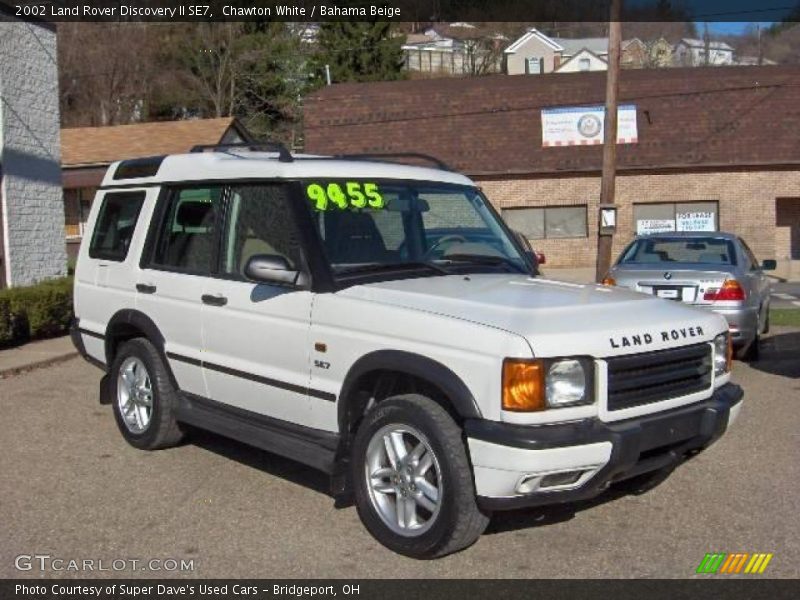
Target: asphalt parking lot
[[73, 489]]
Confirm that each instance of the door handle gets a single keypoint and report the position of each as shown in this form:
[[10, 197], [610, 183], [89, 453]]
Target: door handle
[[145, 288], [218, 300]]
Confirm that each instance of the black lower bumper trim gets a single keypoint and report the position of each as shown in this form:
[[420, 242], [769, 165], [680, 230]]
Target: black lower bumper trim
[[640, 445]]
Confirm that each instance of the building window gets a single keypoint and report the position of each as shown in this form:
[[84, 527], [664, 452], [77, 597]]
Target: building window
[[551, 222], [676, 216], [533, 65], [77, 204], [584, 64]]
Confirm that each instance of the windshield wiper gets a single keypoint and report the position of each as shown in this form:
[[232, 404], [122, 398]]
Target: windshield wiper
[[376, 267], [483, 259]]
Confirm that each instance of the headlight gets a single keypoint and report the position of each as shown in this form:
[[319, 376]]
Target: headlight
[[531, 385], [723, 353], [566, 383]]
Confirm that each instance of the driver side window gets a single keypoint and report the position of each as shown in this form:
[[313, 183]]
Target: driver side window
[[260, 221]]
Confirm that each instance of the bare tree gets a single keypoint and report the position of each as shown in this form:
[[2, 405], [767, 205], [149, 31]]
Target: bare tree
[[107, 72]]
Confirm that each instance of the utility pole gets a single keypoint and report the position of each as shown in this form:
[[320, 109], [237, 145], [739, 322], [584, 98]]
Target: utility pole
[[706, 46], [760, 49], [607, 185]]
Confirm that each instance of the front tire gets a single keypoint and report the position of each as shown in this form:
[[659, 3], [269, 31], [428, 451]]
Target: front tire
[[143, 398], [413, 482]]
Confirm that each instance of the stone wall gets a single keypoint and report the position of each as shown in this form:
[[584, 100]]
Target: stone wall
[[32, 203]]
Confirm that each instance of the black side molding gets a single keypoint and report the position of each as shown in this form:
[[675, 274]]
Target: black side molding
[[283, 385]]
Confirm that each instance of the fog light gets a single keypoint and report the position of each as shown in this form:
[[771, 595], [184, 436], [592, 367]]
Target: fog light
[[558, 479]]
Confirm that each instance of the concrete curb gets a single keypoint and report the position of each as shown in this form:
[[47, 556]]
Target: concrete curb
[[39, 364]]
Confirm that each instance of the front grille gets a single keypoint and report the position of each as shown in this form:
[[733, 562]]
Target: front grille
[[655, 376]]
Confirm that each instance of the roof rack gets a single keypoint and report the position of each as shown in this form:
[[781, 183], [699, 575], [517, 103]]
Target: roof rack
[[380, 157], [283, 154]]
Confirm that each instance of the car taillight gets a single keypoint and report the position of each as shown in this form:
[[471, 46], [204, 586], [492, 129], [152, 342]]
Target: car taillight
[[730, 290]]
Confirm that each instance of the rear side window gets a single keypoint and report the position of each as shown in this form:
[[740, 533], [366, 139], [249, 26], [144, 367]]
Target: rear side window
[[115, 225], [187, 240]]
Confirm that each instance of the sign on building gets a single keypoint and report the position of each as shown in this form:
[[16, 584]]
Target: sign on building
[[583, 125], [695, 221], [645, 226]]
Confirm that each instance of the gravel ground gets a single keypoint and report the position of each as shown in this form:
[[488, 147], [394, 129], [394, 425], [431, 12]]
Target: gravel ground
[[73, 489]]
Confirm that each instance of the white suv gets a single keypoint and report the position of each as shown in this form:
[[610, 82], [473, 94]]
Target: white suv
[[381, 323]]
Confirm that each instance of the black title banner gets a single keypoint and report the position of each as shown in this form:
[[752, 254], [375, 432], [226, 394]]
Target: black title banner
[[398, 10], [263, 589]]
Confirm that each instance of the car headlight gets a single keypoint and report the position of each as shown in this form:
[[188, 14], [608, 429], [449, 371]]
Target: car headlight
[[537, 384], [566, 383], [723, 353]]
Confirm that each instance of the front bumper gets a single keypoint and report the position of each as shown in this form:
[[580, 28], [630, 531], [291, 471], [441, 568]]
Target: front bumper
[[511, 461]]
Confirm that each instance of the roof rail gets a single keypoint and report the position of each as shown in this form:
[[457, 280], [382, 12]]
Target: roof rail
[[379, 157], [283, 154]]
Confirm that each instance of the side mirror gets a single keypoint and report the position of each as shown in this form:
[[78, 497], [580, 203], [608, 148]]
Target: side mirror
[[769, 265], [270, 268], [532, 255]]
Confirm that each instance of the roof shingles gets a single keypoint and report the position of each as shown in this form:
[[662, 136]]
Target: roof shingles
[[81, 146], [695, 117]]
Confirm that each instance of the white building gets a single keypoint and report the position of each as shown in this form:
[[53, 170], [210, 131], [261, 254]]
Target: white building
[[452, 49], [31, 205], [584, 60], [534, 53], [690, 52]]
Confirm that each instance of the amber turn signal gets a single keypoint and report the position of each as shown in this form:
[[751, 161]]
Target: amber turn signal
[[609, 281], [523, 385]]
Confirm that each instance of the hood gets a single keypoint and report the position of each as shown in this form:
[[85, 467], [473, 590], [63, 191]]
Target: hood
[[557, 318]]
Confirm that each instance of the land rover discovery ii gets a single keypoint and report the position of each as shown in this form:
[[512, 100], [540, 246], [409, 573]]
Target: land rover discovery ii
[[379, 322]]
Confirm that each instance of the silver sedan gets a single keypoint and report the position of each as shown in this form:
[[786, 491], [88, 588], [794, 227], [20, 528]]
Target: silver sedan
[[713, 271]]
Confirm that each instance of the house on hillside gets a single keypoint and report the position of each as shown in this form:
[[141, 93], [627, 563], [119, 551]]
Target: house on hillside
[[31, 209], [691, 52], [582, 61], [453, 49], [88, 151], [531, 144], [535, 53]]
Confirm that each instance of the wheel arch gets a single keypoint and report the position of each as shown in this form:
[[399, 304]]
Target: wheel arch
[[371, 368], [127, 324]]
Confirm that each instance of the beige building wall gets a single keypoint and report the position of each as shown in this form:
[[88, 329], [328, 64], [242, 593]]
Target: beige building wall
[[747, 206], [515, 63]]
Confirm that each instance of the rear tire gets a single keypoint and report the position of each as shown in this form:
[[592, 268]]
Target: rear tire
[[143, 398], [422, 503]]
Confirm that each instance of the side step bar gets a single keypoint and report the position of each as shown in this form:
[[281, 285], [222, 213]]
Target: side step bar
[[313, 447]]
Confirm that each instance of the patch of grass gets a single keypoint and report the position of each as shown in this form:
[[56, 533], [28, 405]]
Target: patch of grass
[[785, 316]]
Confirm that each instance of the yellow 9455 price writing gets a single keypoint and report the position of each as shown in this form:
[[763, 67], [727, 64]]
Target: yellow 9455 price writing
[[341, 196]]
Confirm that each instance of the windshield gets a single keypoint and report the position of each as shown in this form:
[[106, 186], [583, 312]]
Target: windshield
[[386, 225], [699, 250]]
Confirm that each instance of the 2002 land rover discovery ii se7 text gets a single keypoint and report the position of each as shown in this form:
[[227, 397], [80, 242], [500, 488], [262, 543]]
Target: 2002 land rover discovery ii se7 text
[[380, 322]]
